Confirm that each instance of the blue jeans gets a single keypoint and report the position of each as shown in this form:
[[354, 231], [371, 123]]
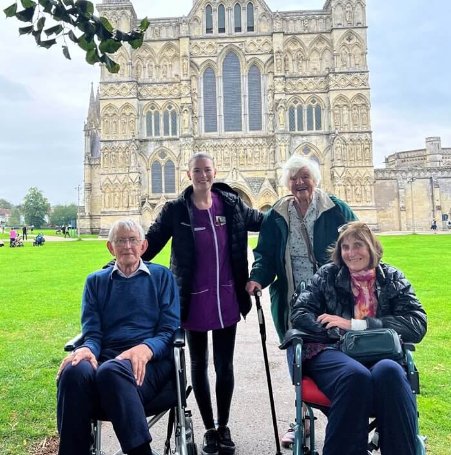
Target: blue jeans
[[223, 350], [356, 393]]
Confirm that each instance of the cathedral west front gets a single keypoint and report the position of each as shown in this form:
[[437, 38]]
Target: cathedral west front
[[245, 84]]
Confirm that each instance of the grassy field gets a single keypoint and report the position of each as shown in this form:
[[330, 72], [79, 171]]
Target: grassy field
[[40, 292]]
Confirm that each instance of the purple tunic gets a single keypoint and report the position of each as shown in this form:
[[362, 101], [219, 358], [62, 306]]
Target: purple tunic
[[213, 304]]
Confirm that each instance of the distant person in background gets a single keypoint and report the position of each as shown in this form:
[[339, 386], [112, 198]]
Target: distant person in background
[[434, 226], [12, 236], [24, 233]]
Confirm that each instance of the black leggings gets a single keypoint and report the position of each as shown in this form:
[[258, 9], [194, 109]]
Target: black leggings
[[223, 349]]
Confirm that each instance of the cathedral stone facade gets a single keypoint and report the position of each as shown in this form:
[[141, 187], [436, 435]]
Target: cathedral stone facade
[[249, 86]]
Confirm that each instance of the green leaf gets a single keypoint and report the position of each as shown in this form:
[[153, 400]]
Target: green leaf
[[86, 43], [106, 23], [67, 3], [48, 43], [40, 24], [26, 15], [85, 6], [144, 24], [109, 46], [28, 3], [110, 64], [47, 4], [25, 30], [92, 56], [55, 30], [11, 10], [66, 52], [137, 42], [73, 37]]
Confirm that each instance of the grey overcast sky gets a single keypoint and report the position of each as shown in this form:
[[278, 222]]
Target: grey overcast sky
[[44, 97]]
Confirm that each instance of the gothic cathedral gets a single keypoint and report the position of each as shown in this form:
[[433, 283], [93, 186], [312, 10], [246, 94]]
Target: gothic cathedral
[[245, 84]]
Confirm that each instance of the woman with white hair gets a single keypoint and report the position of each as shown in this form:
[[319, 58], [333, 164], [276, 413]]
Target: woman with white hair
[[293, 241]]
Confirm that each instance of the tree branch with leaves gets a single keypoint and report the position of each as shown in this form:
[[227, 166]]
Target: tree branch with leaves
[[75, 20]]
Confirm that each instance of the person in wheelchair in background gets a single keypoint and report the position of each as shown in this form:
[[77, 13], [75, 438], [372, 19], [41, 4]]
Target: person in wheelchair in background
[[356, 291], [130, 312]]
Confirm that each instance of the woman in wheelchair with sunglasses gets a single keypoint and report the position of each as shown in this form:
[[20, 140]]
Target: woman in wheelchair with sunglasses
[[358, 292]]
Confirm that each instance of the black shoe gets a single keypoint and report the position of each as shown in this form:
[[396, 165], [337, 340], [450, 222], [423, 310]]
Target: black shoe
[[226, 445], [210, 445]]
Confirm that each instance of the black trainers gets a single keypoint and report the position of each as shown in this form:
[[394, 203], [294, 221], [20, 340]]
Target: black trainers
[[226, 445], [210, 445]]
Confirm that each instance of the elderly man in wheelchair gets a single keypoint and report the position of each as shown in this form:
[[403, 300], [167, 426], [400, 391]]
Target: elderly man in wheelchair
[[356, 293], [130, 313]]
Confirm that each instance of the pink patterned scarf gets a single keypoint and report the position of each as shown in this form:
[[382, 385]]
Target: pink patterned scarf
[[363, 288]]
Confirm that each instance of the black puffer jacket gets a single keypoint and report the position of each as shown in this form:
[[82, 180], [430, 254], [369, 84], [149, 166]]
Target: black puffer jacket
[[174, 221], [330, 292]]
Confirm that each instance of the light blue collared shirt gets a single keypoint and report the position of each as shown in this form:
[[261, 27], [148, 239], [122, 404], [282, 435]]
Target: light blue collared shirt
[[142, 268]]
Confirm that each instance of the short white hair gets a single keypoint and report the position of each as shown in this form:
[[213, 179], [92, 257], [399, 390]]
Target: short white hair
[[294, 164], [127, 225]]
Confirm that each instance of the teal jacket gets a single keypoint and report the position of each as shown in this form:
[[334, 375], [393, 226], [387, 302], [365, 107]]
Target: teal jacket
[[272, 265]]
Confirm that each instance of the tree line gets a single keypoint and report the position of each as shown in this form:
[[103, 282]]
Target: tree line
[[36, 211]]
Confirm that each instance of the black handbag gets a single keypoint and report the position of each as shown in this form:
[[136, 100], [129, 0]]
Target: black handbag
[[370, 346]]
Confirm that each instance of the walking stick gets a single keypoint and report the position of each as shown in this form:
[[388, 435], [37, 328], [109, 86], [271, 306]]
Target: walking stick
[[261, 322]]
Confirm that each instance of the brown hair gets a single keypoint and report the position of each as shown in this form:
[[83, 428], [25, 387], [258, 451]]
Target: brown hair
[[359, 231]]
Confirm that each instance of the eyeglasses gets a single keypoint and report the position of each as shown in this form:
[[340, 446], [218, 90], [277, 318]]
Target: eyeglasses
[[133, 241]]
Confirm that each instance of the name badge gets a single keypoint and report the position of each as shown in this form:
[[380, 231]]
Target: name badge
[[220, 221], [199, 229]]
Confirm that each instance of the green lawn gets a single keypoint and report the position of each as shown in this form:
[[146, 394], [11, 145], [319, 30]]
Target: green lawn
[[40, 292]]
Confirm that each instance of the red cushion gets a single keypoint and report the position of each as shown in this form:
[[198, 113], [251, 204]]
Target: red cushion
[[311, 394]]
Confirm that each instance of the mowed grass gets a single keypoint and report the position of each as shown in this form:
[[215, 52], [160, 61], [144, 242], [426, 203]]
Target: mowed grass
[[40, 289]]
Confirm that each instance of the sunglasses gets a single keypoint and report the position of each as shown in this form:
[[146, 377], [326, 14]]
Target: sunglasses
[[343, 227]]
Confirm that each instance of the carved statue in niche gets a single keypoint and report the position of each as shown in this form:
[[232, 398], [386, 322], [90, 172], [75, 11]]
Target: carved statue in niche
[[348, 14], [344, 57], [185, 67], [348, 192], [185, 120], [194, 96], [286, 62], [249, 157], [345, 117], [114, 126], [106, 125], [364, 114], [359, 151], [299, 62], [339, 190], [132, 124], [358, 192], [357, 58], [279, 61], [281, 115], [368, 192], [277, 22], [366, 151], [124, 125], [355, 116], [283, 151], [164, 70], [150, 69], [195, 125], [338, 150], [337, 122]]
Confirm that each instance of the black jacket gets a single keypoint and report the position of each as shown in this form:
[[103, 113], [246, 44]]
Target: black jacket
[[330, 292], [174, 221]]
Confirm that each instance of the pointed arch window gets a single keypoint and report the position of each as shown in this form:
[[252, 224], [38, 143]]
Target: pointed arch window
[[208, 19], [153, 122], [254, 99], [296, 116], [314, 117], [237, 17], [157, 181], [231, 76], [209, 96], [250, 17], [169, 177], [221, 19], [170, 121]]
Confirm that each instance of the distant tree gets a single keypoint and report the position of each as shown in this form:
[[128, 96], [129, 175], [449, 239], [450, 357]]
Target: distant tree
[[35, 207], [75, 20], [4, 204], [14, 218], [63, 214]]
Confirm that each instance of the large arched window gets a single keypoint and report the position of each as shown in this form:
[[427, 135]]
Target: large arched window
[[170, 121], [169, 177], [231, 76], [209, 96], [153, 122], [250, 17], [296, 117], [221, 19], [314, 121], [157, 181], [208, 19], [237, 17], [254, 99]]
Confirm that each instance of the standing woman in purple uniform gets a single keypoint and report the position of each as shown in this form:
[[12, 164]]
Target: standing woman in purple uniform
[[209, 225]]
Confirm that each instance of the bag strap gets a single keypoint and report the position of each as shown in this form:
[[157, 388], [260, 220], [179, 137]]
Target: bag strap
[[310, 253]]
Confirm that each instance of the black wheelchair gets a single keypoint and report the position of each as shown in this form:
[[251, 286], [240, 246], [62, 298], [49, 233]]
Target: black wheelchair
[[172, 400], [310, 397]]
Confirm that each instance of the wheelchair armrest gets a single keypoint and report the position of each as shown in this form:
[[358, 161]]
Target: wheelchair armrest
[[74, 343], [291, 337], [179, 338], [409, 347]]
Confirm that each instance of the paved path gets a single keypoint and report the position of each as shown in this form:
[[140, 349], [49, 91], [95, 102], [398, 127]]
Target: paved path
[[250, 421]]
